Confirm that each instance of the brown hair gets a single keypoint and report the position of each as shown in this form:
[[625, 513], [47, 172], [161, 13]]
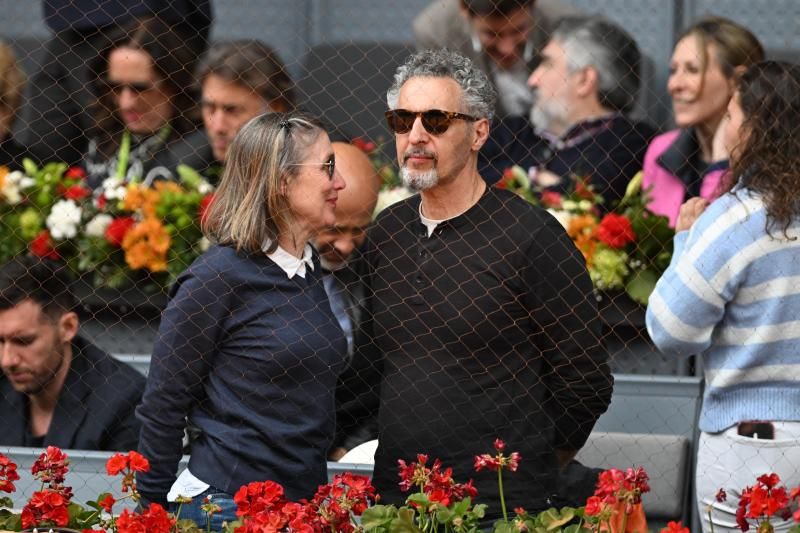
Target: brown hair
[[174, 62], [249, 211], [768, 160], [254, 65], [12, 79], [735, 45]]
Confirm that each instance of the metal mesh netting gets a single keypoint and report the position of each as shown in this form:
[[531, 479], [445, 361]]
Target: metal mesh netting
[[118, 117]]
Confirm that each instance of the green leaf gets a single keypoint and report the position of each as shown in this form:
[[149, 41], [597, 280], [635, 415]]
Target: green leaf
[[189, 176], [378, 517], [641, 285], [30, 167], [501, 526], [404, 523]]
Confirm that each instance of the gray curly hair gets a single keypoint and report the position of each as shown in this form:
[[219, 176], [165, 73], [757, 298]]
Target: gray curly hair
[[478, 93]]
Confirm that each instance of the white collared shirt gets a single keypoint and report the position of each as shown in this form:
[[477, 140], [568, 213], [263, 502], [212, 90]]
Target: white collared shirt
[[289, 263]]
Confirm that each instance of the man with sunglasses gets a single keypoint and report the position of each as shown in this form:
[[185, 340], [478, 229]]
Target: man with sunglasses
[[585, 88], [502, 37], [481, 318]]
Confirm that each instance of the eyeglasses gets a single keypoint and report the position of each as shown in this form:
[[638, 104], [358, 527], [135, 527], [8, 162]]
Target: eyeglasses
[[136, 87], [435, 121], [330, 166]]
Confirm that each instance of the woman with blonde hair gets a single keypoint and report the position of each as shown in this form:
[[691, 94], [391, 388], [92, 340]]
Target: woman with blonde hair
[[12, 83], [692, 160], [249, 350]]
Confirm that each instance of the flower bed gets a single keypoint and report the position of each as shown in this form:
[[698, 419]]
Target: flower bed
[[350, 504]]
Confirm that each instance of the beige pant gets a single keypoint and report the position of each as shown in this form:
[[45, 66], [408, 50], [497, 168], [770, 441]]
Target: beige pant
[[730, 461]]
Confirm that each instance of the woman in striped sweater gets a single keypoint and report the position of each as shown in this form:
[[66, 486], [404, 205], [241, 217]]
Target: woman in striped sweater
[[732, 294]]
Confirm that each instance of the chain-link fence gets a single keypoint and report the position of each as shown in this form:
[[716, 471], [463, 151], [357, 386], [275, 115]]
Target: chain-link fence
[[459, 327]]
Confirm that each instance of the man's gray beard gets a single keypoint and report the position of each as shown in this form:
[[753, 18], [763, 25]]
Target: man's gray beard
[[331, 267], [543, 116], [419, 181]]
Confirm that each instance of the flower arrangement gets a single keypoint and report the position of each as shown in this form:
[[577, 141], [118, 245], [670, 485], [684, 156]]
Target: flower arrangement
[[118, 234], [392, 188], [626, 248]]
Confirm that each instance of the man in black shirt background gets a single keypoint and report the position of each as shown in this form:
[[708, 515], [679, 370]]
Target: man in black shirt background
[[481, 319]]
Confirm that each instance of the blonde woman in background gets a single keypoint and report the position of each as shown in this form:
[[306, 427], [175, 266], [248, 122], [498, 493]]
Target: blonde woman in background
[[692, 160]]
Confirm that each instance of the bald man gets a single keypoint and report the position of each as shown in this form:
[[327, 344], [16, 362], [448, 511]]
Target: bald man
[[338, 249], [353, 208]]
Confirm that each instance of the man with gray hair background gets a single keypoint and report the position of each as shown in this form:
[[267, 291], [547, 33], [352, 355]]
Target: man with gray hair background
[[584, 90], [480, 320]]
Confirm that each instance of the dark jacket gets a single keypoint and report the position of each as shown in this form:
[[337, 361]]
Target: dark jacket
[[95, 410], [609, 151], [252, 358]]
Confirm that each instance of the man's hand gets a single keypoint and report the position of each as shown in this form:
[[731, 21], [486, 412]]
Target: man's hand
[[564, 457], [336, 453], [690, 211]]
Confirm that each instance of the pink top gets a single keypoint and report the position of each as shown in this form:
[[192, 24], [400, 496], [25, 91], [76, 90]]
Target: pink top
[[669, 190]]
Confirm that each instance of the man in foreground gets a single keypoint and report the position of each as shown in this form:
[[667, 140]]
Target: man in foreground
[[482, 322]]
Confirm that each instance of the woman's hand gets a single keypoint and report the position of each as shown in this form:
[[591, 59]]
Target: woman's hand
[[690, 211]]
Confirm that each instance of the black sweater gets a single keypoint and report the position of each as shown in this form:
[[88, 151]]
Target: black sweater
[[486, 329], [252, 358]]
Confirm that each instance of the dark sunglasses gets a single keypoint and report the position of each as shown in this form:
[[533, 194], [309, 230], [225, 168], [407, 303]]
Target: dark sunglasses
[[136, 87], [435, 121], [330, 166]]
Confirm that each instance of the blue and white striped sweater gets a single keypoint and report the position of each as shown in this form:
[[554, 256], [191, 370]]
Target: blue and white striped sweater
[[732, 293]]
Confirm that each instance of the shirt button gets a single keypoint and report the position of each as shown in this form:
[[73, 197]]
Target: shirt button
[[422, 253], [418, 280]]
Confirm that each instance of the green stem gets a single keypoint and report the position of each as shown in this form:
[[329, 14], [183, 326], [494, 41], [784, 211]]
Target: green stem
[[624, 522], [124, 154], [502, 496]]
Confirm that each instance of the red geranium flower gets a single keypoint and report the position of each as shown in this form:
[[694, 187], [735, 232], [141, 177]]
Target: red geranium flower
[[42, 246], [594, 506], [8, 474], [107, 503], [45, 507], [115, 232], [615, 230], [675, 527], [116, 464]]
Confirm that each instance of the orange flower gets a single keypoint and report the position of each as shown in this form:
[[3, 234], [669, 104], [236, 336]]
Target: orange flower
[[141, 198], [581, 224], [586, 243], [146, 246]]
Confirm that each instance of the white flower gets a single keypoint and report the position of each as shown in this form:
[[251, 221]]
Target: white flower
[[204, 187], [64, 219], [97, 226], [584, 205], [114, 188], [12, 185], [204, 244], [391, 196], [562, 216]]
